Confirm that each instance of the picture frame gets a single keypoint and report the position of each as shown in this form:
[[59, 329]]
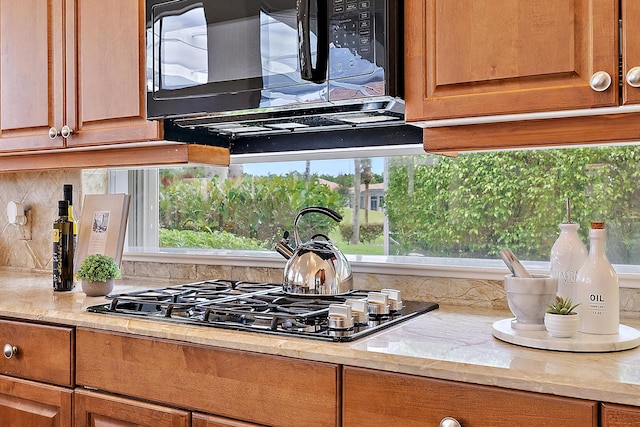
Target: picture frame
[[102, 226]]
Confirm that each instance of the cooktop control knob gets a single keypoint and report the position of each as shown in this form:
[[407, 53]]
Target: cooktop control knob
[[359, 310], [395, 301], [378, 303], [340, 316]]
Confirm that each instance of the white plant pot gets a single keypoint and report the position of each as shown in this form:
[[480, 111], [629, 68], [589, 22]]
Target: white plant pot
[[562, 325]]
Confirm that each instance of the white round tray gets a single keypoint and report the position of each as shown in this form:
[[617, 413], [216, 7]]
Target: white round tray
[[626, 339]]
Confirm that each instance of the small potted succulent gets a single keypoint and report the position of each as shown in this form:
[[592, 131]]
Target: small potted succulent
[[97, 273], [560, 319]]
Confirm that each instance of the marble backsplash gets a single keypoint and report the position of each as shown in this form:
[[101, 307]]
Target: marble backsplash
[[445, 291], [40, 191]]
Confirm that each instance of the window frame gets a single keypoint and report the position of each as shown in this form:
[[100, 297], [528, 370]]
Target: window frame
[[430, 267]]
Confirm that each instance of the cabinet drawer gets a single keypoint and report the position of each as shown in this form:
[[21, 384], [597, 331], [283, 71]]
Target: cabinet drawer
[[252, 387], [42, 353], [384, 398], [97, 409], [619, 415]]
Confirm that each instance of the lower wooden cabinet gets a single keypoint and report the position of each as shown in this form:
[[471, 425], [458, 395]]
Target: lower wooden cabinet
[[124, 380], [26, 403], [94, 409], [383, 398], [613, 415], [238, 385], [36, 374]]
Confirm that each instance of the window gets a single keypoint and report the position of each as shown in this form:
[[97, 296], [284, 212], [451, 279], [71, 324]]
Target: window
[[408, 206]]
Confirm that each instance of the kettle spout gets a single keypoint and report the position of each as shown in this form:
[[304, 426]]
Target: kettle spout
[[283, 248]]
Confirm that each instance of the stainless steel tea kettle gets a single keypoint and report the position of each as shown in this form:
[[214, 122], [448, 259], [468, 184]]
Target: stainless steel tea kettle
[[316, 267]]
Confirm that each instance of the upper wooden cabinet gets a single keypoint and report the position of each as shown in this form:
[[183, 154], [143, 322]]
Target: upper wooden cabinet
[[74, 63], [492, 57], [31, 73]]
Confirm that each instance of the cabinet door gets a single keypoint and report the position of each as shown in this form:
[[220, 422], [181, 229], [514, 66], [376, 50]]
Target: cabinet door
[[26, 403], [492, 57], [253, 387], [31, 73], [630, 49], [102, 410], [106, 93], [619, 415], [383, 398]]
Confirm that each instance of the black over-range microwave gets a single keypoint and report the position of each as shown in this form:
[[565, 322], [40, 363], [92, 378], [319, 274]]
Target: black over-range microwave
[[232, 70]]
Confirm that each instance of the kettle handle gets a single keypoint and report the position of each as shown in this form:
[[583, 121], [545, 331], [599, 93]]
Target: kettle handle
[[319, 209]]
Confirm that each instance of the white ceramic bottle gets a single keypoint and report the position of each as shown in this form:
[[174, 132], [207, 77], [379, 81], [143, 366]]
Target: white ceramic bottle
[[597, 288], [568, 254]]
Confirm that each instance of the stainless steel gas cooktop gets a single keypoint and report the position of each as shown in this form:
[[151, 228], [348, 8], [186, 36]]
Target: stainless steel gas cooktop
[[265, 308]]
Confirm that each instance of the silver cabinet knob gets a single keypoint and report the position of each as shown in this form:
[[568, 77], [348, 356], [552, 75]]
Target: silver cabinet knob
[[449, 422], [10, 351], [66, 131], [600, 81], [633, 77], [53, 133]]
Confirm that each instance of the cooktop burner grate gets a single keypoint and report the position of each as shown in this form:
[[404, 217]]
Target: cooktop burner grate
[[266, 308]]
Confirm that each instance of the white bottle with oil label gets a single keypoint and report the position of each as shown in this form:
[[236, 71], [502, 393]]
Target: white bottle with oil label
[[597, 288], [568, 254]]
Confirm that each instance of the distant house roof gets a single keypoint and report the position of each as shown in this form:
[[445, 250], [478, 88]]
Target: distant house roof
[[332, 185], [379, 186]]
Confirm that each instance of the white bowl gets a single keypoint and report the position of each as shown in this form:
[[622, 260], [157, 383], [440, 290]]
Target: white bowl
[[528, 299]]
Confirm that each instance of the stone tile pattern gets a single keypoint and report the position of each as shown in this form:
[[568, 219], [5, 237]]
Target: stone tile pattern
[[40, 191], [445, 291]]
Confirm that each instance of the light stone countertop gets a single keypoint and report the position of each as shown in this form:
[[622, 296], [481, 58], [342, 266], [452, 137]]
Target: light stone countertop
[[454, 343]]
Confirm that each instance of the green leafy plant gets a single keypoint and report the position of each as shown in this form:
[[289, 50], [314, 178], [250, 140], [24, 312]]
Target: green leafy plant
[[473, 205], [562, 306], [207, 239], [260, 208], [98, 268], [370, 232]]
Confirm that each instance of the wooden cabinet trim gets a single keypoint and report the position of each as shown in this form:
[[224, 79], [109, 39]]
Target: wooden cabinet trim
[[534, 133], [117, 155], [203, 420]]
